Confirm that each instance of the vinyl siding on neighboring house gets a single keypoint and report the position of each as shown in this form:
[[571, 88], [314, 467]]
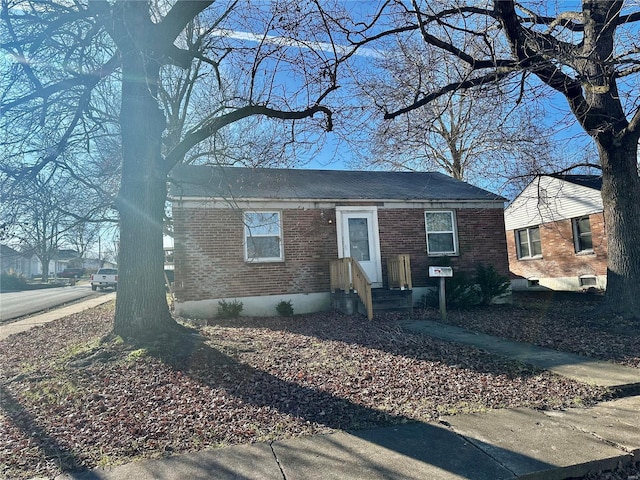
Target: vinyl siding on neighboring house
[[561, 200], [554, 205]]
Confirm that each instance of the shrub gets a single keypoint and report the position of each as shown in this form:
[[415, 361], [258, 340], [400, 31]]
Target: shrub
[[490, 283], [12, 281], [229, 309], [460, 292], [284, 309]]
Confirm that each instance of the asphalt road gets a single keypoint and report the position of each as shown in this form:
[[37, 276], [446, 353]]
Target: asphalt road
[[18, 304]]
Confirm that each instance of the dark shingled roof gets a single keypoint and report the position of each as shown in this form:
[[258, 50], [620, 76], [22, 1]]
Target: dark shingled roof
[[271, 183], [590, 181]]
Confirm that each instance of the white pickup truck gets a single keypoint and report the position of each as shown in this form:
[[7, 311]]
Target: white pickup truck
[[105, 278]]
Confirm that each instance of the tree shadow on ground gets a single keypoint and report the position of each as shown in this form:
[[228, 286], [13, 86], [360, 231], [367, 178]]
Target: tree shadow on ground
[[386, 334], [424, 442], [51, 449]]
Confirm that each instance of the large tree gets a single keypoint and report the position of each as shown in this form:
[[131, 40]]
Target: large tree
[[478, 135], [589, 56], [63, 52]]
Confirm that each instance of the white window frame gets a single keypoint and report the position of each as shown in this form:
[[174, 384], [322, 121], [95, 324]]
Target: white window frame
[[529, 243], [248, 233], [577, 235], [453, 232]]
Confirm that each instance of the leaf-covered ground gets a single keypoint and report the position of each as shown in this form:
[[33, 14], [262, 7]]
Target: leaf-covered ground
[[71, 401], [571, 322]]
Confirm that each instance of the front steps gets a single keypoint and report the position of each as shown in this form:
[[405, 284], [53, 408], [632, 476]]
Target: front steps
[[383, 300]]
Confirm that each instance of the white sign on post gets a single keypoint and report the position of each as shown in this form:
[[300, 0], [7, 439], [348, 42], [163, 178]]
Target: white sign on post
[[441, 272]]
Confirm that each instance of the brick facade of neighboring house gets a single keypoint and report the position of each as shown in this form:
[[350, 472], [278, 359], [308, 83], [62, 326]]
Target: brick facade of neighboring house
[[558, 207], [209, 234]]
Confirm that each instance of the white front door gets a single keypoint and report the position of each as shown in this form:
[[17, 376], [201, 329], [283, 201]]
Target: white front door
[[358, 238]]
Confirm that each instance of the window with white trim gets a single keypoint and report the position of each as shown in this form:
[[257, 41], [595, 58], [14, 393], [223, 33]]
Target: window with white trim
[[528, 242], [582, 235], [442, 238], [588, 281], [263, 238]]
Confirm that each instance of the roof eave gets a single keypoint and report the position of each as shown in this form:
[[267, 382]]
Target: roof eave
[[198, 198]]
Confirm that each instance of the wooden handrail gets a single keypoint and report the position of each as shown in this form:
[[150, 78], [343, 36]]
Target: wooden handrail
[[347, 274], [399, 272], [362, 286]]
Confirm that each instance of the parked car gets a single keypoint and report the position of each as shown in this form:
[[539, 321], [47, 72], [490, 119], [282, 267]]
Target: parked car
[[72, 273], [105, 278]]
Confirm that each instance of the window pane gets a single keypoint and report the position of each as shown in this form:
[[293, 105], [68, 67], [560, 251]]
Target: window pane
[[534, 234], [263, 247], [585, 242], [359, 239], [440, 242], [523, 243], [263, 223], [583, 231], [534, 238], [584, 226], [439, 222]]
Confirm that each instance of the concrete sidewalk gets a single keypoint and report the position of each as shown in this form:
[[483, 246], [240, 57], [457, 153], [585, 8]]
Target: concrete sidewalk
[[501, 444], [9, 328]]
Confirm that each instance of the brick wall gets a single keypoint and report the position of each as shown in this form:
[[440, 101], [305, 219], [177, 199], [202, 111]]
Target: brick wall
[[559, 258], [209, 256], [481, 239]]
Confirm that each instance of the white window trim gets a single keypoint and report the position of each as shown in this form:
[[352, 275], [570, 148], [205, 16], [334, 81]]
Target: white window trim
[[454, 232], [246, 233], [518, 251], [576, 236]]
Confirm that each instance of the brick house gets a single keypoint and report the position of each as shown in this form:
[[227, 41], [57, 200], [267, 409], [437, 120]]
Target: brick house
[[556, 235], [261, 236]]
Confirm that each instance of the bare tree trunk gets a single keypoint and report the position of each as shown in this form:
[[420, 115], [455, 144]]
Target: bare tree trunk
[[621, 199], [141, 307], [44, 261]]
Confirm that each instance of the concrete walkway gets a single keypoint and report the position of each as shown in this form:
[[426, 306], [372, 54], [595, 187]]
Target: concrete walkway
[[576, 367], [499, 444]]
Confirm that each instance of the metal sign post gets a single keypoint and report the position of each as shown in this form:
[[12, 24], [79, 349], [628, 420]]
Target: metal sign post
[[442, 273]]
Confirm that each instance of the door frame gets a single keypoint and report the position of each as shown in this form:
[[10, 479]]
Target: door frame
[[375, 238]]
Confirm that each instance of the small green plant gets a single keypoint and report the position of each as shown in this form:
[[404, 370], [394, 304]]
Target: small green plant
[[490, 283], [229, 309], [284, 308]]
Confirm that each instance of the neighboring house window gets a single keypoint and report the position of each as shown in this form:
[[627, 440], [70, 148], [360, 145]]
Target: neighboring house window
[[528, 242], [582, 235], [263, 239], [588, 281], [441, 233]]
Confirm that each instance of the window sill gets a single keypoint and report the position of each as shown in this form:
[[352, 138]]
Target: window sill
[[268, 260], [585, 252], [442, 255], [526, 259]]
